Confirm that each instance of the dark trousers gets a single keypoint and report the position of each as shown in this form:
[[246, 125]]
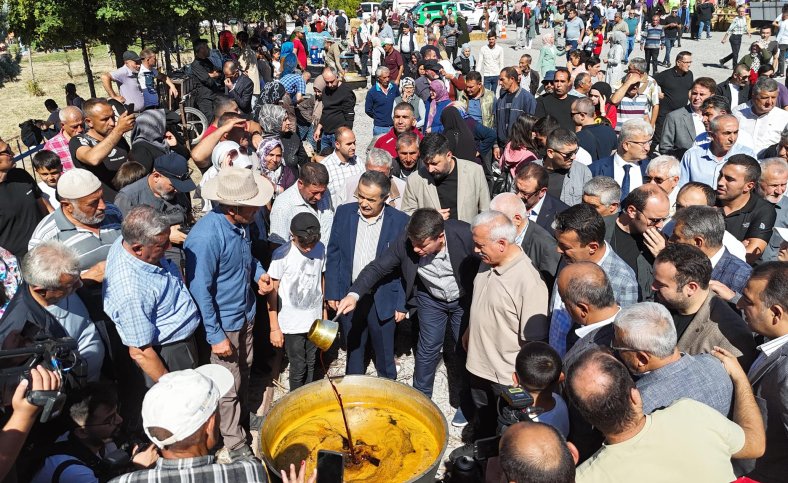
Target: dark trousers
[[301, 354], [364, 325], [451, 52], [434, 314], [735, 46], [364, 58], [484, 395], [652, 57]]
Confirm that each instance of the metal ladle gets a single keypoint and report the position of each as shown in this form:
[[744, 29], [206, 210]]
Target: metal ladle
[[323, 332]]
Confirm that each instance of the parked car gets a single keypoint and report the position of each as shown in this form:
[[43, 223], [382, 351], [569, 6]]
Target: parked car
[[424, 14]]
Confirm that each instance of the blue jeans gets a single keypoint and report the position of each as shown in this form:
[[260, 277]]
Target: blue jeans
[[433, 316], [378, 130], [570, 46], [630, 48], [364, 325], [327, 140], [704, 26], [485, 136], [668, 47], [491, 83]]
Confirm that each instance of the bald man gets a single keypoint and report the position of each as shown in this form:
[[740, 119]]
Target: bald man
[[531, 449], [535, 241]]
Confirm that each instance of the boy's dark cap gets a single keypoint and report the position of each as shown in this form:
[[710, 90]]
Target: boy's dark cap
[[304, 224]]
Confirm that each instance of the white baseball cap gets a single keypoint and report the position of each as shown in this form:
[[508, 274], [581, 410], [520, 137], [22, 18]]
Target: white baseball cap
[[182, 401]]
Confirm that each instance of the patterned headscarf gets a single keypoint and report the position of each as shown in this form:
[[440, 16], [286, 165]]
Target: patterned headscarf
[[271, 119], [264, 150]]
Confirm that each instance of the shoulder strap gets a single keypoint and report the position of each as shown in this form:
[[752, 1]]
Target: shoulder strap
[[63, 467]]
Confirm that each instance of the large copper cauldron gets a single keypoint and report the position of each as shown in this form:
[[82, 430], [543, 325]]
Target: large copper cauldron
[[401, 431]]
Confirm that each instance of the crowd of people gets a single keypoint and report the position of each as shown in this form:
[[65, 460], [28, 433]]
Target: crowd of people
[[610, 237]]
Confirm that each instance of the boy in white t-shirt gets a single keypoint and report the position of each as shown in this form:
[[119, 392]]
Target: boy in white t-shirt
[[297, 298], [538, 371], [49, 168]]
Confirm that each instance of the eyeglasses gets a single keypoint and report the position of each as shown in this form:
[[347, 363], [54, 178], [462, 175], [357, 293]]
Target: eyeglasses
[[7, 151], [580, 114], [652, 221], [642, 143], [567, 155], [656, 179], [524, 196], [181, 177], [623, 349]]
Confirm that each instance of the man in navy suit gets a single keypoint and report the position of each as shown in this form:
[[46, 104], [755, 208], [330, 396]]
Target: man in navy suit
[[360, 233], [634, 143], [438, 265], [531, 180]]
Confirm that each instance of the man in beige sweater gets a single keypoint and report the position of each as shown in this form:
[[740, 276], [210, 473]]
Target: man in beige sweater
[[508, 309]]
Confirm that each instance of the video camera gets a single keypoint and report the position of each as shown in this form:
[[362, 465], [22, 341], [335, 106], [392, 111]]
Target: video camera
[[59, 355]]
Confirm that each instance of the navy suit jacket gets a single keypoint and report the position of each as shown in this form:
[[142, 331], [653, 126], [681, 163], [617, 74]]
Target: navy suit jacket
[[389, 294], [550, 207], [604, 167], [400, 258]]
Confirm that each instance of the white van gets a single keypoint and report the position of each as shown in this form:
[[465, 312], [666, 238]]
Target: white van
[[368, 7]]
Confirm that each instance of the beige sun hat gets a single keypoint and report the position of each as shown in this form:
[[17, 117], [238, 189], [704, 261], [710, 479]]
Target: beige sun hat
[[238, 186]]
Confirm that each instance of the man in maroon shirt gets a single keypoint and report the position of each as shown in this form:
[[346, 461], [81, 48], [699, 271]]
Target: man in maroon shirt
[[393, 60], [404, 121]]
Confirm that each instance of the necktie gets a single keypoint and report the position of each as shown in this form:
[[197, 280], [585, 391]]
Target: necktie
[[625, 181]]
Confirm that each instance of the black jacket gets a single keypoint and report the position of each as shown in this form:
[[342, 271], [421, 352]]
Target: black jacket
[[400, 256], [242, 93], [723, 89], [550, 207], [339, 109], [23, 308], [205, 86]]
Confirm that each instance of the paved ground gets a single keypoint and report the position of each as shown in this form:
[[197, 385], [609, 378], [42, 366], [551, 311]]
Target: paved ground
[[706, 55]]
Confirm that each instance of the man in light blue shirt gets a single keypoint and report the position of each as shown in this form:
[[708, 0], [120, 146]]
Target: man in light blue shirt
[[144, 295], [219, 270], [704, 163]]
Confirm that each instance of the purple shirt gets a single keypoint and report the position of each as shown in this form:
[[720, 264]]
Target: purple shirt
[[129, 87], [782, 96]]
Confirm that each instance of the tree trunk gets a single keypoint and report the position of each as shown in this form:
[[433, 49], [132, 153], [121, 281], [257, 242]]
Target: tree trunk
[[118, 46], [167, 52], [194, 31], [88, 70], [213, 34], [30, 60], [177, 50]]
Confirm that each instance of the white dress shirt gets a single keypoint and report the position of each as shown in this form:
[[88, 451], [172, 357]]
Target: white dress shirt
[[635, 176], [587, 329], [765, 129]]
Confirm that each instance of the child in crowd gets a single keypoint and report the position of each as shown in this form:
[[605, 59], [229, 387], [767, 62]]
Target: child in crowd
[[129, 172], [49, 168], [599, 41], [297, 298], [538, 371]]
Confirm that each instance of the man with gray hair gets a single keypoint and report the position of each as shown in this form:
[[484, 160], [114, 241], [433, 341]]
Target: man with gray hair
[[47, 304], [508, 309], [664, 171], [604, 194], [535, 241], [71, 124], [645, 339], [760, 116], [703, 162], [381, 161], [379, 103], [772, 185], [146, 297], [629, 163], [588, 297]]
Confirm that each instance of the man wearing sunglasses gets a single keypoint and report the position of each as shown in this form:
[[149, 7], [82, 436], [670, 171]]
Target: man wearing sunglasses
[[566, 176], [167, 190], [637, 237]]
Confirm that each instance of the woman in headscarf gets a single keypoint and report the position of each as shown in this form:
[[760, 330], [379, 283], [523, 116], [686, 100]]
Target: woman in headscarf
[[755, 59], [460, 136], [606, 112], [271, 166], [547, 54], [407, 88], [520, 148], [465, 32], [423, 83], [275, 123], [150, 139], [615, 58], [439, 99], [465, 61], [287, 59]]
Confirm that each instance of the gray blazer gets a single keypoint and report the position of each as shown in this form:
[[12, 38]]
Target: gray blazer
[[575, 179], [678, 133], [473, 194], [770, 385]]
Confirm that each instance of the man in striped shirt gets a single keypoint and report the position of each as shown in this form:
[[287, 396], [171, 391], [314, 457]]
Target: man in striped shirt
[[735, 31], [638, 95], [653, 42], [71, 124]]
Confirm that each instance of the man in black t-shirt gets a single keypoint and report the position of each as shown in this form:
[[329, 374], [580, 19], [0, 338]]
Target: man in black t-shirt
[[748, 217], [637, 236], [559, 103], [21, 204], [672, 25], [102, 149]]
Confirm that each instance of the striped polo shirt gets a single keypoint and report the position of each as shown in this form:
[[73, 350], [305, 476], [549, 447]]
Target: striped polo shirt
[[90, 247]]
